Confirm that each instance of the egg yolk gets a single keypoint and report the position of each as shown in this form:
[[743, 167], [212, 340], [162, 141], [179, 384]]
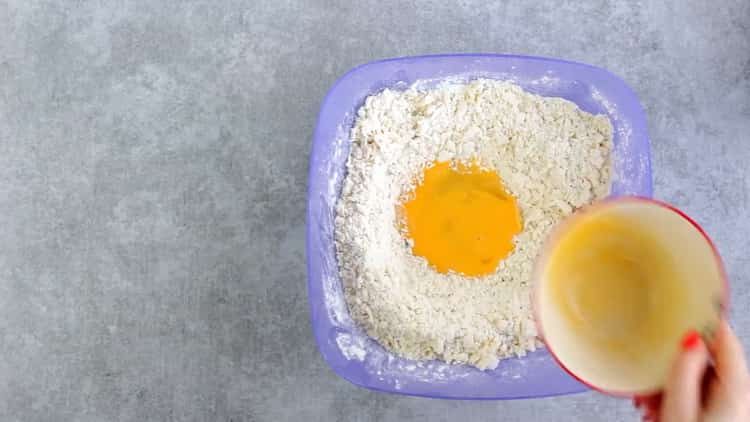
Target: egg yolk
[[460, 218]]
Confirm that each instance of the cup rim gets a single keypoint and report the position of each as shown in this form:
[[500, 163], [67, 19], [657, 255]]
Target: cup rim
[[561, 228]]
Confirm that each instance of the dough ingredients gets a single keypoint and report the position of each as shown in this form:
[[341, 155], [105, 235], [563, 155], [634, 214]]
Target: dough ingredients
[[552, 158], [460, 218]]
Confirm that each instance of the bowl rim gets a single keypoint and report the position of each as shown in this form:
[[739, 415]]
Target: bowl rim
[[561, 228], [314, 279]]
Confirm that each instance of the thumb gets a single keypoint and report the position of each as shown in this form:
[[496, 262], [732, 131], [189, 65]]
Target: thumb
[[682, 392]]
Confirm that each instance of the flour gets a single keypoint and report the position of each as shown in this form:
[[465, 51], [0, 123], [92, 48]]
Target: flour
[[553, 157]]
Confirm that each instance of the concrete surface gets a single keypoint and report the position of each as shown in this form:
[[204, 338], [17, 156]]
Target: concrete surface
[[153, 162]]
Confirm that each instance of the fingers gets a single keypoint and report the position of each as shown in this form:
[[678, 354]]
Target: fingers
[[731, 367], [682, 393], [649, 406]]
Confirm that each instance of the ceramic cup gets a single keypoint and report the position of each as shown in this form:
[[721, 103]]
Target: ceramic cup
[[616, 287]]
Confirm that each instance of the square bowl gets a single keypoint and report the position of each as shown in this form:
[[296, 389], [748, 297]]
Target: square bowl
[[347, 349]]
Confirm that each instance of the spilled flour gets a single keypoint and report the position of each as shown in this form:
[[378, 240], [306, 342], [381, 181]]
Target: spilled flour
[[552, 157]]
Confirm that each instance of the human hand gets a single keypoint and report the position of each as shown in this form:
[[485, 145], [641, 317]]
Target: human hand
[[706, 383]]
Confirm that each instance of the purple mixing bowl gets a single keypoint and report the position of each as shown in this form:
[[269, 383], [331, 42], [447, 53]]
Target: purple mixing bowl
[[346, 349]]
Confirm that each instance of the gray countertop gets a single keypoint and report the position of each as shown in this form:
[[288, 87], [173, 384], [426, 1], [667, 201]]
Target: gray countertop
[[153, 164]]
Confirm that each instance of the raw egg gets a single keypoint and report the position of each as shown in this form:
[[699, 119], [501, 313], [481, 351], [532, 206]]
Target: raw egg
[[460, 218]]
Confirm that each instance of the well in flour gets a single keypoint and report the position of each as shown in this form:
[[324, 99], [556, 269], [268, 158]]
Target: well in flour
[[553, 158]]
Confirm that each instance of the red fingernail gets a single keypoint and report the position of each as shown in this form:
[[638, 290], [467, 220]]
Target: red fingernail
[[691, 340]]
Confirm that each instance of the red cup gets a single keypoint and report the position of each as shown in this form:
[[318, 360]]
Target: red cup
[[616, 287]]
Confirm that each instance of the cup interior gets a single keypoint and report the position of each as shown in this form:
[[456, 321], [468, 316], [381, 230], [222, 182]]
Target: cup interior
[[619, 284]]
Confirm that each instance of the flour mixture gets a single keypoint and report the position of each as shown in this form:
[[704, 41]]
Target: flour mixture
[[551, 157]]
